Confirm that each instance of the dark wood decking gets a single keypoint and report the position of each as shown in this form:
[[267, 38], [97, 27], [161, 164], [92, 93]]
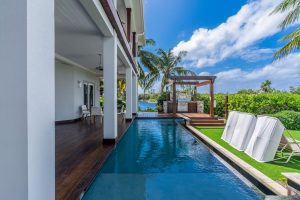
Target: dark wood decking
[[80, 153]]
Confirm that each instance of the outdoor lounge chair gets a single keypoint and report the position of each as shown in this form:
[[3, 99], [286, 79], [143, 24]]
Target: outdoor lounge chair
[[265, 140], [97, 111], [243, 131], [230, 126], [122, 112], [85, 112], [288, 148]]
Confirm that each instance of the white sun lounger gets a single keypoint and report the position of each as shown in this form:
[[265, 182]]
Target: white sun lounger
[[265, 139], [243, 131], [230, 126], [289, 148]]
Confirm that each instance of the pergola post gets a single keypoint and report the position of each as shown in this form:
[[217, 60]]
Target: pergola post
[[212, 98], [174, 99]]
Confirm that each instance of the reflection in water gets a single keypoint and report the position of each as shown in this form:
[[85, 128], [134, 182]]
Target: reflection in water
[[158, 159]]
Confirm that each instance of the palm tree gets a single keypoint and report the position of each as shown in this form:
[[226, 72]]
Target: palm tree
[[146, 81], [266, 86], [147, 59], [166, 65], [293, 38]]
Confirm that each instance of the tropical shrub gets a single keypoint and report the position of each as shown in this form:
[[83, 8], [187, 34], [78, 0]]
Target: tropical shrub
[[264, 103], [165, 96], [261, 103], [152, 100], [148, 110], [290, 119], [220, 107], [120, 103]]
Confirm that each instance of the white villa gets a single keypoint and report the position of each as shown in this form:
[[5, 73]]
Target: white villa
[[54, 53]]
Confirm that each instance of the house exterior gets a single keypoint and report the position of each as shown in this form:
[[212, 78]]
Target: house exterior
[[54, 53]]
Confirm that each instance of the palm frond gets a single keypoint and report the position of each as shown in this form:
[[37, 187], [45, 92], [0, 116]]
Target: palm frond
[[285, 5], [183, 71], [291, 46], [291, 18], [293, 38], [291, 35], [150, 42]]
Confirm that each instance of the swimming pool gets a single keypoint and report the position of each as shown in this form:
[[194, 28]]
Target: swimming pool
[[159, 159]]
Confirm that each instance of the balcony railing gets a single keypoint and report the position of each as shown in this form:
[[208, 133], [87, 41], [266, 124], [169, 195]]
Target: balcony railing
[[114, 19]]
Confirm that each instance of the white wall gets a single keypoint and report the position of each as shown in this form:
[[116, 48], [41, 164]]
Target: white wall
[[68, 94]]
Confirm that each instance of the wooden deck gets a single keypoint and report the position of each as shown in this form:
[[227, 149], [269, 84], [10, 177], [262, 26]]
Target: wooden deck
[[195, 119], [196, 115], [80, 153]]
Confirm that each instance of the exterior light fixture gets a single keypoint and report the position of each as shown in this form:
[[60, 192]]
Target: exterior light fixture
[[80, 84]]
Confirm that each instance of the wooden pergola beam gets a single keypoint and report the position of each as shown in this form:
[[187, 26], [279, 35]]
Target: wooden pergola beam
[[187, 83], [191, 78], [203, 83]]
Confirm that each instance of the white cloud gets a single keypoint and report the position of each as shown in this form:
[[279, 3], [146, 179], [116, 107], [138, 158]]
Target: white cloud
[[283, 74], [230, 74], [251, 24], [255, 54], [203, 74]]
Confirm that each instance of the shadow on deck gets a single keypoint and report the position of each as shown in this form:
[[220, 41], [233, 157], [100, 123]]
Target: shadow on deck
[[80, 153]]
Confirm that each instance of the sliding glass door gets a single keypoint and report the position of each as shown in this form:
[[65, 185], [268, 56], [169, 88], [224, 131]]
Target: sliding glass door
[[88, 95]]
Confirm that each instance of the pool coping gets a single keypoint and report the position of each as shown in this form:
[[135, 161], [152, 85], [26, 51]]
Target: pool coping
[[260, 180]]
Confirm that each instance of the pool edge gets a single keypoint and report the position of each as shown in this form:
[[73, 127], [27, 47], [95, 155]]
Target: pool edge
[[256, 177]]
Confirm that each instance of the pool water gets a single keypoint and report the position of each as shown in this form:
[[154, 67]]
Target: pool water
[[159, 159]]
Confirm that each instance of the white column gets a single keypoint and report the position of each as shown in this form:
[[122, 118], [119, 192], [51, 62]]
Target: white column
[[134, 93], [110, 88], [128, 93], [27, 138]]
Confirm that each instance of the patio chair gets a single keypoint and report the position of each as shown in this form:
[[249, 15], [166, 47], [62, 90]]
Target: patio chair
[[85, 112], [97, 111], [288, 148], [122, 112]]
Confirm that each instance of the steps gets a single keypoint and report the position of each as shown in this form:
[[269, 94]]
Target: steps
[[207, 122]]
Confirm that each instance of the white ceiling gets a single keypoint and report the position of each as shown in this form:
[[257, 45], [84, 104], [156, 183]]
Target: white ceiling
[[76, 36]]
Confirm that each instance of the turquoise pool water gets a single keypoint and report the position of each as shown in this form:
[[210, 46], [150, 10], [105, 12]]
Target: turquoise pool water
[[159, 159]]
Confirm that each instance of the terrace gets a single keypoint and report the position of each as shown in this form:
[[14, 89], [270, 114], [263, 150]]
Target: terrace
[[79, 154]]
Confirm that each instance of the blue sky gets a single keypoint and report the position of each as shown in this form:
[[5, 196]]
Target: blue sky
[[233, 39]]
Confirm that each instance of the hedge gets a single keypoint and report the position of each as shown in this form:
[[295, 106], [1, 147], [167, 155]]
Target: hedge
[[290, 119], [262, 103]]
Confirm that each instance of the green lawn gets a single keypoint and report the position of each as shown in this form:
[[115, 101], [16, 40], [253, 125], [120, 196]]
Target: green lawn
[[271, 169]]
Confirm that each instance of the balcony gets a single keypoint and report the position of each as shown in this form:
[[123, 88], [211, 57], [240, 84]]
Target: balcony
[[116, 22]]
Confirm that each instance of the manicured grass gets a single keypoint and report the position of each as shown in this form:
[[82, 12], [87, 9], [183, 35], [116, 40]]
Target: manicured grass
[[271, 169]]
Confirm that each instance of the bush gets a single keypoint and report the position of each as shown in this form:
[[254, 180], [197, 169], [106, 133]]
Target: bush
[[148, 110], [290, 119], [220, 107], [120, 103], [264, 103], [165, 96], [152, 100], [261, 103]]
